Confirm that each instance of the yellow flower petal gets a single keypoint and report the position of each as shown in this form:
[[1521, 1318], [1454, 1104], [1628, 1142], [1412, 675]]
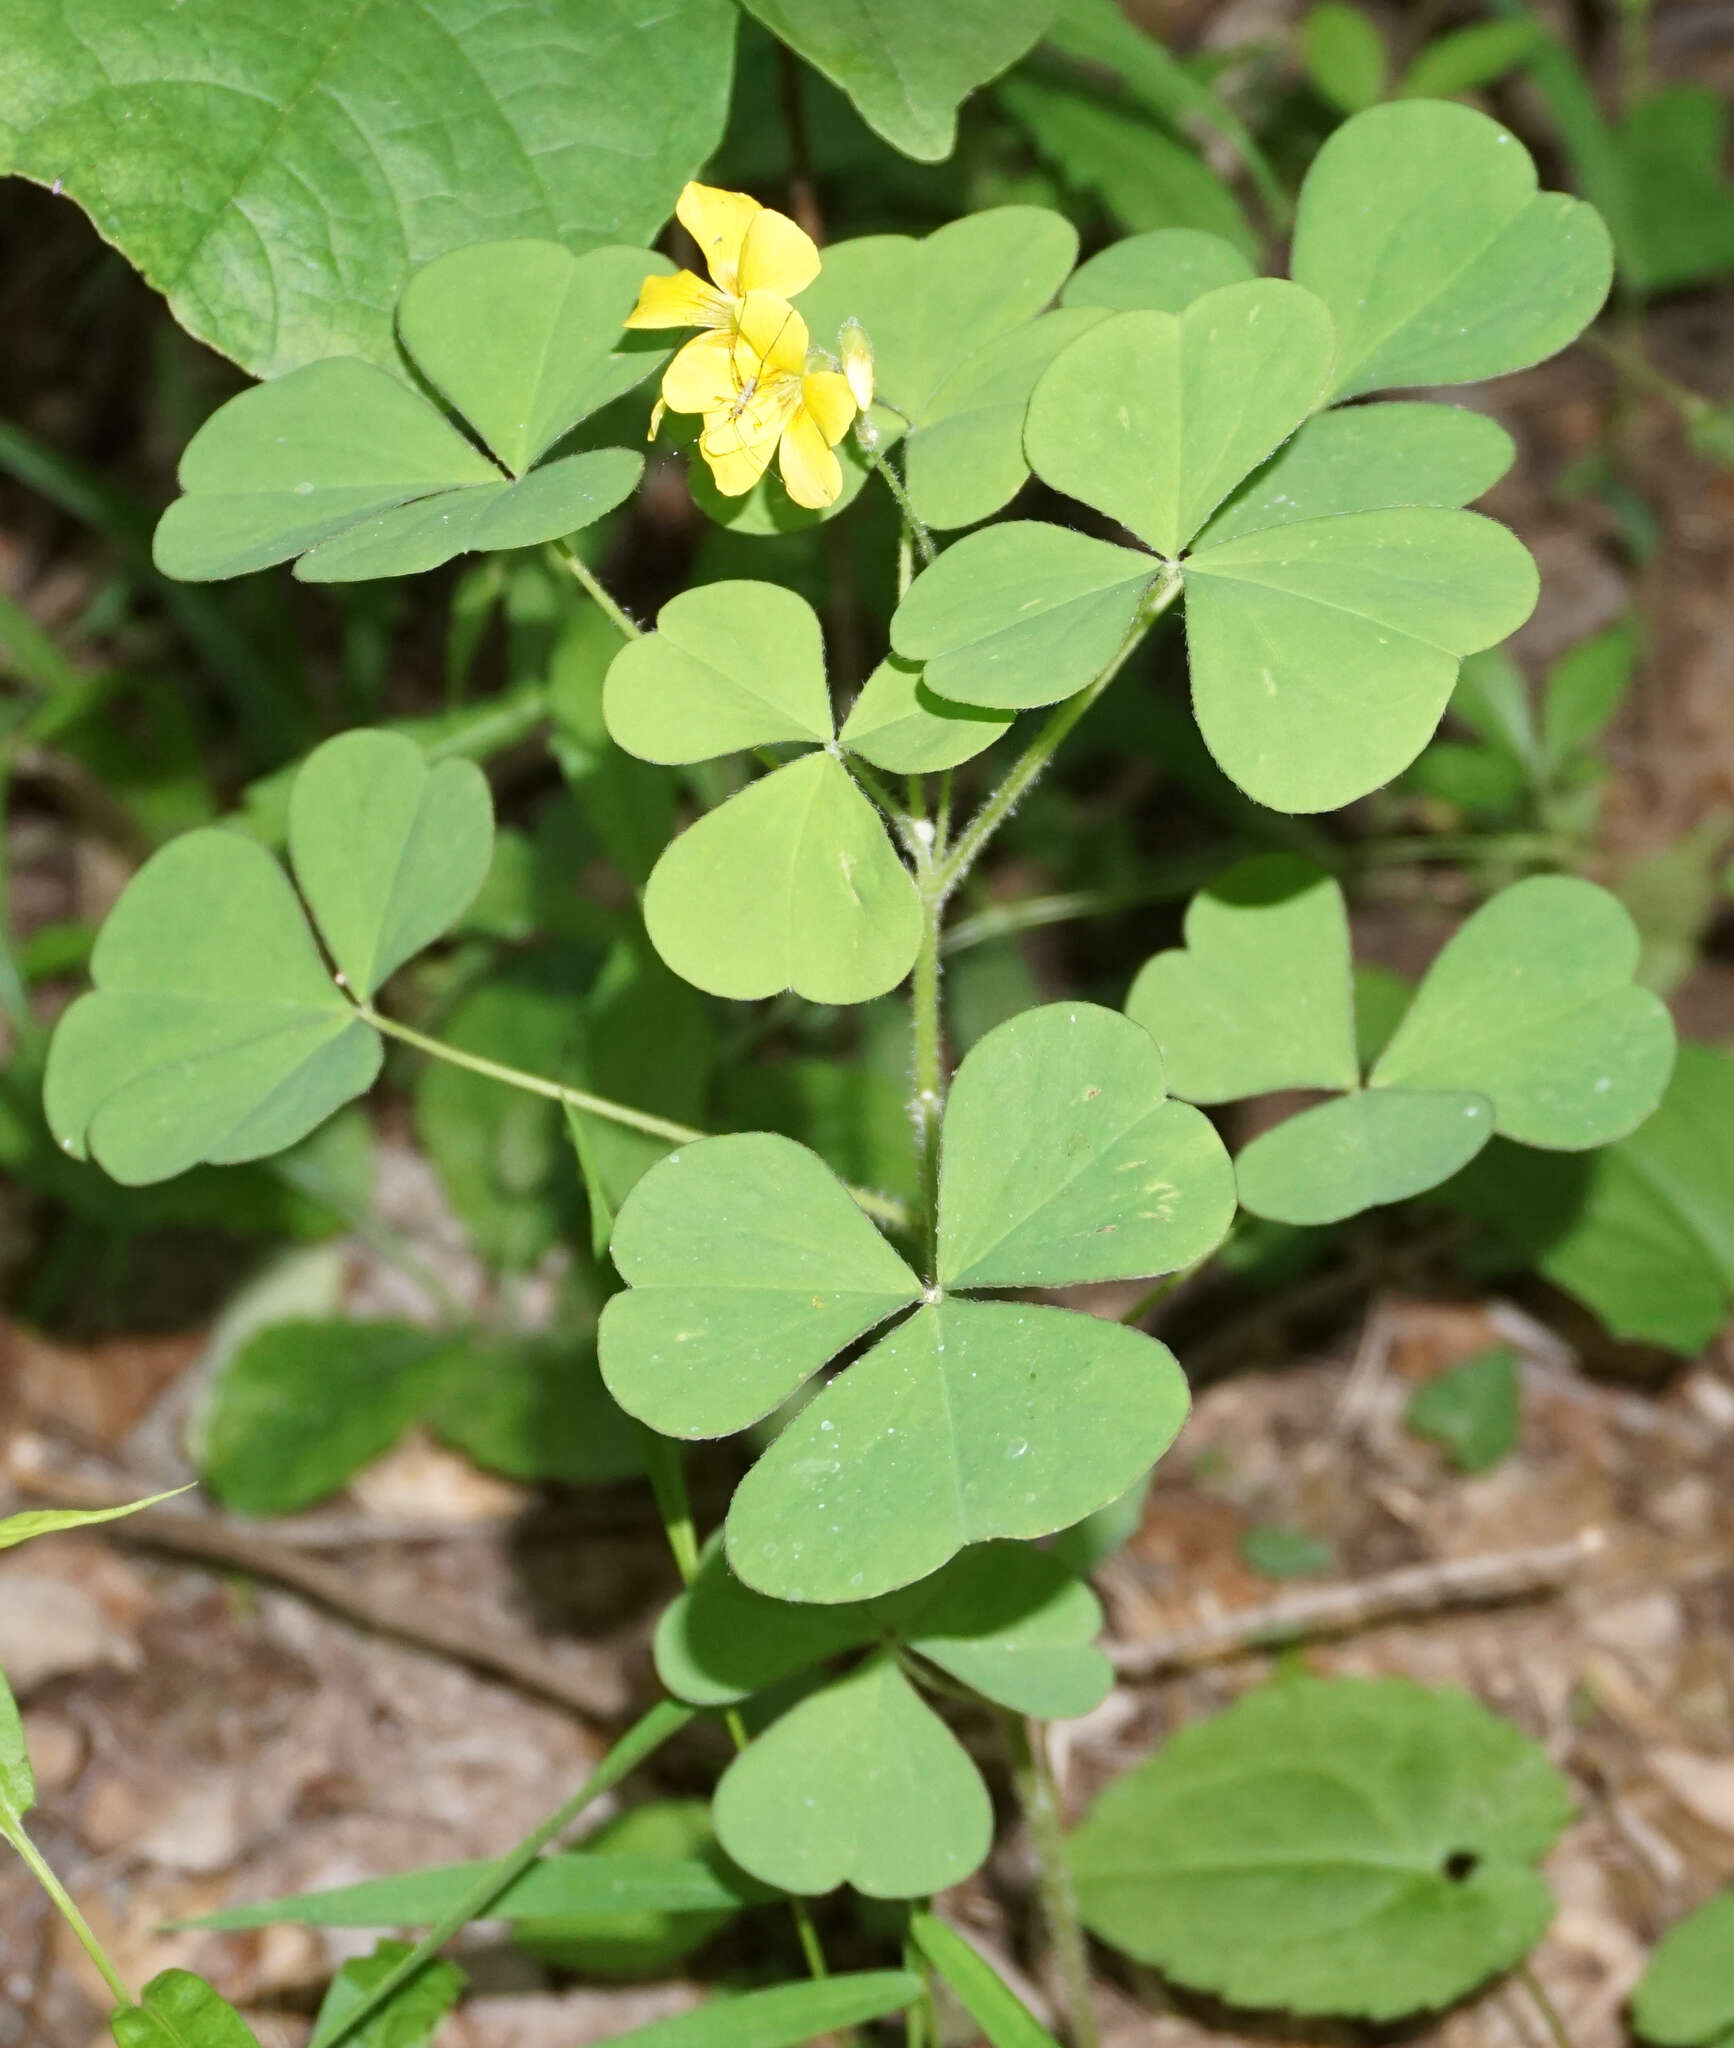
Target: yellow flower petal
[[826, 396], [812, 473], [718, 222], [771, 338], [776, 256], [702, 376], [738, 451], [683, 300]]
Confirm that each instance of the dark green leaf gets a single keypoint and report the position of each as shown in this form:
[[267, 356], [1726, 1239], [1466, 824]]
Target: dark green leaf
[[1471, 1410], [535, 1408], [1277, 1553]]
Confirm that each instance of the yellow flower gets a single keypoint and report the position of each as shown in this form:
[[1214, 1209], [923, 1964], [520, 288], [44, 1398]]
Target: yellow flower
[[760, 399]]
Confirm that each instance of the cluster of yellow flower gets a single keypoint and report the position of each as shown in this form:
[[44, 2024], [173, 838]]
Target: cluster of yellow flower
[[750, 373]]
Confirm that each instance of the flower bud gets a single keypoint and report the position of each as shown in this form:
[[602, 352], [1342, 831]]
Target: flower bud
[[856, 354]]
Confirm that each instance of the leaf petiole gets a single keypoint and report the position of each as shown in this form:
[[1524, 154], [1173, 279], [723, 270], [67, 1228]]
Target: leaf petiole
[[13, 1830]]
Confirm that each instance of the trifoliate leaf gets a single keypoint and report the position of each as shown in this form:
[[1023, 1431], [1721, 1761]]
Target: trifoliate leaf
[[1361, 1152], [1686, 1996], [730, 666], [1324, 653], [1421, 228], [1532, 1004], [1353, 1846], [861, 1783], [899, 724], [388, 852], [1161, 271], [1470, 1409], [1021, 614], [1259, 998], [1064, 1160], [1153, 418], [213, 1031], [791, 884], [971, 1420], [748, 1266]]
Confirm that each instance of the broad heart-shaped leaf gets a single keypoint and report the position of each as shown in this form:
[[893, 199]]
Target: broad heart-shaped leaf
[[748, 1265], [213, 1031], [389, 852], [1353, 1846], [1369, 458], [1021, 614], [525, 339], [1686, 1996], [730, 665], [1260, 998], [906, 65], [1421, 228], [1007, 1619], [179, 2010], [279, 184], [1532, 1004], [791, 884], [1359, 1152], [971, 1420], [1064, 1160], [898, 723], [957, 346], [1161, 271], [861, 1783], [1323, 654], [1154, 418]]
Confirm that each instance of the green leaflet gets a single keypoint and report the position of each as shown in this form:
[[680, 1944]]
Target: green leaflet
[[860, 1783], [983, 1993], [787, 2017], [276, 186], [1344, 55], [1161, 271], [1421, 228], [1686, 1998], [17, 1780], [1528, 1023], [342, 464], [1353, 1846], [1154, 418], [791, 884], [899, 724], [179, 2010], [905, 66]]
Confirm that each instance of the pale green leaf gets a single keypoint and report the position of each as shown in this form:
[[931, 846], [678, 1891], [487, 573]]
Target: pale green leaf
[[1421, 227], [1531, 1003], [791, 884], [213, 1032], [1154, 418], [1672, 152], [971, 1420], [1278, 1553], [1161, 271], [1259, 998], [1012, 1623], [409, 2018], [1470, 1409], [535, 1408], [1584, 689], [1022, 614], [525, 340], [1344, 55], [179, 2010], [1360, 1152], [1686, 1996], [730, 666], [280, 180], [1465, 59], [1369, 458], [748, 1265], [388, 852], [1353, 1846], [17, 1779], [50, 1521], [1001, 2015], [863, 1784], [1064, 1160], [787, 2017], [905, 64], [898, 723], [1324, 654]]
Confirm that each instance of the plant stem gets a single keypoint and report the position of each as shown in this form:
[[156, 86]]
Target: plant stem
[[667, 1474], [640, 1742], [1041, 750], [1034, 1781], [912, 520], [927, 1106], [593, 583], [13, 1830], [1551, 2017]]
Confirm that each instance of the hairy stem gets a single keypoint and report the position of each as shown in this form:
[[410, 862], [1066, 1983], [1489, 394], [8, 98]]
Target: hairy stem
[[1033, 1777], [927, 1106], [593, 583], [913, 524], [12, 1829]]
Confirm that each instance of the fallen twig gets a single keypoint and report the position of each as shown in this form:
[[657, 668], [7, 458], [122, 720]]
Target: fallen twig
[[596, 1694], [1363, 1603]]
